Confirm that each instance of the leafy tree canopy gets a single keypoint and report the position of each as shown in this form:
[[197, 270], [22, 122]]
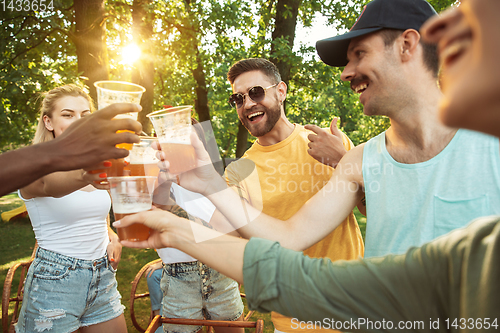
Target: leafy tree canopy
[[38, 53]]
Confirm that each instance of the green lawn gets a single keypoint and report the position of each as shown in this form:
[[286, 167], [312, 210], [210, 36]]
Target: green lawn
[[17, 245], [17, 239], [361, 221]]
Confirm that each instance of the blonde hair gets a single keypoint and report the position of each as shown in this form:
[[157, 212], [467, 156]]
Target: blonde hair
[[50, 98]]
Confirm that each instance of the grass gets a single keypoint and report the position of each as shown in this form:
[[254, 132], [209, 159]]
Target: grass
[[361, 221], [17, 244], [18, 239]]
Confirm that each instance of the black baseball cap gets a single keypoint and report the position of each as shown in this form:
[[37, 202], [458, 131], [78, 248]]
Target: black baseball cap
[[376, 15]]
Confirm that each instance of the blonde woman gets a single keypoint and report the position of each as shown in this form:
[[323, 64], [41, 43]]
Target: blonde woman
[[71, 284]]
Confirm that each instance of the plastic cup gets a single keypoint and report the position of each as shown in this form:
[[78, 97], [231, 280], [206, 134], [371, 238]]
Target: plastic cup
[[130, 195], [110, 92], [142, 160], [173, 128]]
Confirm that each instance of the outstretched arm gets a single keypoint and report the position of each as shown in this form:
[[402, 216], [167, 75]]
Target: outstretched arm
[[391, 288], [222, 252], [86, 143], [316, 219]]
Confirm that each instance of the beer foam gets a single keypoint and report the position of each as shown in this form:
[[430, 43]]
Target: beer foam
[[179, 141], [145, 160], [130, 208], [149, 159]]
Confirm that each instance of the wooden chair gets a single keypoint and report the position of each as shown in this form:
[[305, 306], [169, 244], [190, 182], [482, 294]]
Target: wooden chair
[[134, 295], [158, 320], [7, 287]]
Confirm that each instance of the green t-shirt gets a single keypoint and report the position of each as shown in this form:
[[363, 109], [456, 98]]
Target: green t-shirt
[[450, 284]]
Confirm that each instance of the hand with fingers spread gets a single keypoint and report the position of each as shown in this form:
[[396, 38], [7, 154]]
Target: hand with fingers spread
[[85, 143], [327, 148]]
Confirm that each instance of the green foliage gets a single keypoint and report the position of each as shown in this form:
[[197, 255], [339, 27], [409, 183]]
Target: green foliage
[[37, 54], [440, 5]]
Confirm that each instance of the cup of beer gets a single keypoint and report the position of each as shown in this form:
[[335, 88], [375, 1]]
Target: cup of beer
[[110, 92], [142, 160], [130, 195], [117, 168], [173, 128]]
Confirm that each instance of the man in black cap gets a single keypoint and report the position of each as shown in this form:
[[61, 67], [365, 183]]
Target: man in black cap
[[421, 179], [413, 173]]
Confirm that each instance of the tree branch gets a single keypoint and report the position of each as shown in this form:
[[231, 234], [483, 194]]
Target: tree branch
[[23, 24], [18, 54], [229, 142], [13, 18], [162, 82]]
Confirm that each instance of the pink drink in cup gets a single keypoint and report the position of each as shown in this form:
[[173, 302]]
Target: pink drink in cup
[[173, 128]]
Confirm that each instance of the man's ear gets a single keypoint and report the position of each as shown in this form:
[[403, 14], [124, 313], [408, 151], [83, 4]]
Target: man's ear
[[48, 123], [409, 42], [281, 88]]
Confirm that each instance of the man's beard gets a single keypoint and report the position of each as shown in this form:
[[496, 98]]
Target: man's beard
[[258, 130]]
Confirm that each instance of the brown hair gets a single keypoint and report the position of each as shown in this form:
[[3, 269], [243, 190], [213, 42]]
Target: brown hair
[[50, 98], [254, 64], [431, 59]]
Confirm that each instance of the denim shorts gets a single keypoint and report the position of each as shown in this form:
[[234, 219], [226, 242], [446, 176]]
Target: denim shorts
[[62, 294], [193, 290]]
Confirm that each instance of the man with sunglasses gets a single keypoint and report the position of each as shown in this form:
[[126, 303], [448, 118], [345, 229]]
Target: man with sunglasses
[[277, 175], [421, 179]]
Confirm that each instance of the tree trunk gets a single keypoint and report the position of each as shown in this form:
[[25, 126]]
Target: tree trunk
[[241, 140], [201, 103], [144, 71], [192, 33], [90, 41], [286, 21]]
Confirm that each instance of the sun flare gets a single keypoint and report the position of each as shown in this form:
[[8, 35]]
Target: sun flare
[[130, 54]]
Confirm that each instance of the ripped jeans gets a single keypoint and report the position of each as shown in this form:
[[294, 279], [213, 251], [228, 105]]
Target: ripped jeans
[[195, 291], [62, 294]]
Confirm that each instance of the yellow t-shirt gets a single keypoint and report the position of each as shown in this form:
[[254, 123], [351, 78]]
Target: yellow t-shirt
[[286, 177]]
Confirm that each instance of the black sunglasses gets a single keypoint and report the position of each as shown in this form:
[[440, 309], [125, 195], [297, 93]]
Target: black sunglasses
[[256, 94]]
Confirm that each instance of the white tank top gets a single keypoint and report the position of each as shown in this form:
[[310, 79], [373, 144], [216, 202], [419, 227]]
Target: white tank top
[[74, 225], [194, 204]]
